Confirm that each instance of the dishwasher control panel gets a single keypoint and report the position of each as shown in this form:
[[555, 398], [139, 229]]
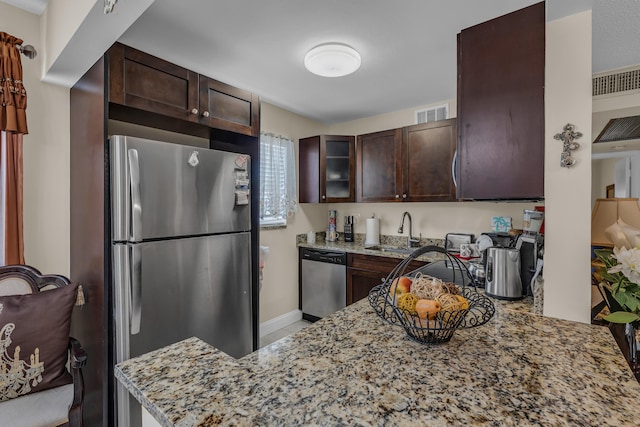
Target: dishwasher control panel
[[333, 257]]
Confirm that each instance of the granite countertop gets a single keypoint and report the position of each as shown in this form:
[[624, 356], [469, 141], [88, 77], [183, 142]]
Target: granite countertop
[[352, 368], [358, 246]]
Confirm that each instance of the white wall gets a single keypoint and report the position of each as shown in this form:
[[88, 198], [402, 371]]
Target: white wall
[[602, 174], [46, 154], [279, 293], [567, 287]]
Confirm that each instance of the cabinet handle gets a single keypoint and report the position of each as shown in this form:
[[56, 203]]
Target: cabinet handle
[[205, 114], [324, 197], [404, 196], [454, 163], [194, 111], [397, 196]]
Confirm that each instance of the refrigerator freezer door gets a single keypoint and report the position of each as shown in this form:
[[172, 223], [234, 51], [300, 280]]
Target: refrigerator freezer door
[[169, 190], [199, 286]]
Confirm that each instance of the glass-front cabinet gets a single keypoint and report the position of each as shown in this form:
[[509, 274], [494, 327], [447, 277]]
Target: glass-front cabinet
[[327, 169]]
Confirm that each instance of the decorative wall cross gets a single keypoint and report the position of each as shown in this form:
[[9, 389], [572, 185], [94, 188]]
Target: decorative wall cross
[[568, 144]]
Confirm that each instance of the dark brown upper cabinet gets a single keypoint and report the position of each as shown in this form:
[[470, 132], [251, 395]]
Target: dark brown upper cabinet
[[501, 107], [412, 164], [152, 85], [327, 169], [429, 151], [142, 81], [379, 166], [225, 107]]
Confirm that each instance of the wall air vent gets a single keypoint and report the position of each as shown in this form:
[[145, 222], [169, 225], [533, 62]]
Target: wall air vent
[[616, 82], [621, 129], [434, 114]]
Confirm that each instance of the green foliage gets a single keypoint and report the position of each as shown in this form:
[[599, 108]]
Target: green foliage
[[621, 317], [623, 290]]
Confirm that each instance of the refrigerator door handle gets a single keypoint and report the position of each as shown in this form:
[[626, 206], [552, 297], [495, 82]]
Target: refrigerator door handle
[[136, 289], [136, 204]]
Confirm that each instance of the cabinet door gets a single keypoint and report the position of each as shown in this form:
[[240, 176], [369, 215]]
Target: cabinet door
[[379, 171], [327, 169], [360, 282], [337, 169], [366, 271], [501, 107], [225, 107], [428, 151], [142, 81], [309, 170]]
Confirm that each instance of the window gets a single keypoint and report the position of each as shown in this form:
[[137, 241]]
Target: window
[[278, 193]]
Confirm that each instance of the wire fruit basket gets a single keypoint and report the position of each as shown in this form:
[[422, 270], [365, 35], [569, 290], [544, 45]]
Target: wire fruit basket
[[457, 303]]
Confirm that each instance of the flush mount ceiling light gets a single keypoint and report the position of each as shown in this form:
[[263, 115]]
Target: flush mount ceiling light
[[332, 60]]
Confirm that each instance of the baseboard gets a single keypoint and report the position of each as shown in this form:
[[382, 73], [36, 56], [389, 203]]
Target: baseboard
[[279, 322]]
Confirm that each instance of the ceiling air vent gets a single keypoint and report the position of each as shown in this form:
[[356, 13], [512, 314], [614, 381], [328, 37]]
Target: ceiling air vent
[[434, 114], [620, 129], [621, 81]]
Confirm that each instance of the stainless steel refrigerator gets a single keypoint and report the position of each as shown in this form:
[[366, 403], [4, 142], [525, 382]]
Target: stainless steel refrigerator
[[181, 247]]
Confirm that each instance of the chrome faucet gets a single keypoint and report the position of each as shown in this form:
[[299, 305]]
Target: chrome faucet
[[411, 242]]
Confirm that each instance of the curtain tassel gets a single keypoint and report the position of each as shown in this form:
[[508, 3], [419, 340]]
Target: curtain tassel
[[80, 296]]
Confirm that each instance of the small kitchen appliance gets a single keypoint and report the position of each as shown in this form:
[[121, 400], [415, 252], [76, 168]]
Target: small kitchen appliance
[[502, 274], [532, 221], [348, 228], [531, 249], [477, 272]]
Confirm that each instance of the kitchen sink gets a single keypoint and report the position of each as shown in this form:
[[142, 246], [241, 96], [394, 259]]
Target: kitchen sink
[[393, 249]]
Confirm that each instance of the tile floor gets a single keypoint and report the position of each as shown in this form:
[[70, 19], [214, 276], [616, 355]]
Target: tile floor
[[281, 333]]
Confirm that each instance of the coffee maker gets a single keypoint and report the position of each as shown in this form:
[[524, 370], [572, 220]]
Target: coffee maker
[[531, 249], [530, 244]]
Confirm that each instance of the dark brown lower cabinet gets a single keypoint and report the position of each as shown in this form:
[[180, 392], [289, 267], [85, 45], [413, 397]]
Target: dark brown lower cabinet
[[366, 271]]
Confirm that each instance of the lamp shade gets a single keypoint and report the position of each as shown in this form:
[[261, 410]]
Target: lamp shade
[[606, 212], [332, 60]]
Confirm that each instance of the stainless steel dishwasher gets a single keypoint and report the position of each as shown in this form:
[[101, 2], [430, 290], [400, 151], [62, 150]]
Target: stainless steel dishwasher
[[323, 282]]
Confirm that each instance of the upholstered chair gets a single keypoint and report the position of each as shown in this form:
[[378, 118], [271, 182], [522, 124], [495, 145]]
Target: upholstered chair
[[41, 382]]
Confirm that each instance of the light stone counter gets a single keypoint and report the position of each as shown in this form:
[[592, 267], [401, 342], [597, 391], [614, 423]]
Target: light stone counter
[[354, 369], [358, 246]]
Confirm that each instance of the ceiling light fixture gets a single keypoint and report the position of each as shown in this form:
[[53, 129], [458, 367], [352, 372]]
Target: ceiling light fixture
[[332, 60]]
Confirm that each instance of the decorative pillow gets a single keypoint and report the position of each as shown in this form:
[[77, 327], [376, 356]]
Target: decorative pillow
[[34, 336], [616, 235], [632, 234]]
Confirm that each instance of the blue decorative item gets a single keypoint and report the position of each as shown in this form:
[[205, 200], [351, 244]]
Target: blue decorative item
[[501, 224]]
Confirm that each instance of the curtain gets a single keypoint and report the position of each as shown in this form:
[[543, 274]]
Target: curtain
[[13, 125], [278, 191]]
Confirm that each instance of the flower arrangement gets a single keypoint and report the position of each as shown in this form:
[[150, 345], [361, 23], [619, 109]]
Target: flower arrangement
[[621, 277]]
